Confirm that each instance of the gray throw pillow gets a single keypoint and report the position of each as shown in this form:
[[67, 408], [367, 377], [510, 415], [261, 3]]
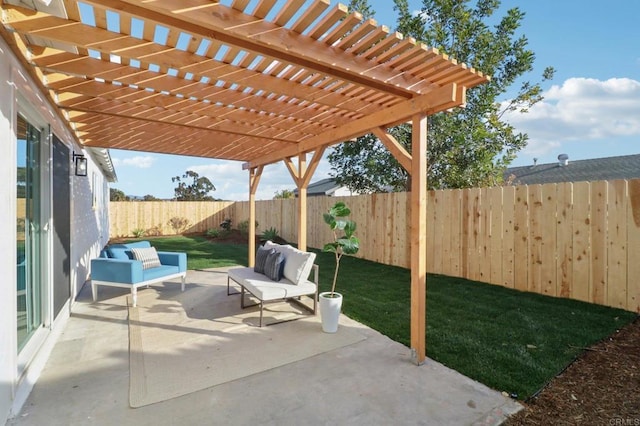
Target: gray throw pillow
[[261, 258], [274, 266]]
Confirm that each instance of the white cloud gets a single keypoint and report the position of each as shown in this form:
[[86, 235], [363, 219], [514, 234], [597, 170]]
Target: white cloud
[[581, 109], [232, 182], [139, 161]]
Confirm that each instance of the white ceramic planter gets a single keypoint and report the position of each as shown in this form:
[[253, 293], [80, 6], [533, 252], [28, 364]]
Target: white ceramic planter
[[330, 311]]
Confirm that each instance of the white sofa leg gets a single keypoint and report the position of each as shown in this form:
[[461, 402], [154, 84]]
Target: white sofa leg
[[94, 291], [183, 278], [134, 296]]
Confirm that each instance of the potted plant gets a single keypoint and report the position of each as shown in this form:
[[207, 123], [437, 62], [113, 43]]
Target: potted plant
[[344, 242]]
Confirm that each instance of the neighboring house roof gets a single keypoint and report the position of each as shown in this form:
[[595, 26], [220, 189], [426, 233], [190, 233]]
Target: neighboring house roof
[[328, 187], [609, 168]]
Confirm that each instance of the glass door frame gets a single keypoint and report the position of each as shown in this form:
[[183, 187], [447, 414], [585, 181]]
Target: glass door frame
[[27, 353]]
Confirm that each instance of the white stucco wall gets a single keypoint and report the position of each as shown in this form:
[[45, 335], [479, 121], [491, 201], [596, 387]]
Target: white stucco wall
[[90, 223], [89, 226]]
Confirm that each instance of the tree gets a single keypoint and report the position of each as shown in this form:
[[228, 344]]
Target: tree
[[149, 197], [361, 6], [196, 191], [470, 146], [284, 194], [117, 195]]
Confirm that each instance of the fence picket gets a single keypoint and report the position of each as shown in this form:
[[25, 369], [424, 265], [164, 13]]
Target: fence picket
[[549, 224], [535, 238], [455, 215], [581, 241], [564, 242], [599, 242], [617, 243], [508, 210]]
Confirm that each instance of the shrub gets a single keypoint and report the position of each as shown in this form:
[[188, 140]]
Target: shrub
[[270, 234], [178, 224], [243, 227], [226, 224], [213, 233], [154, 231], [138, 232]]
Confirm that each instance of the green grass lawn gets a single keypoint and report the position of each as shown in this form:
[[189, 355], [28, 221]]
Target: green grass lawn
[[509, 340], [201, 253]]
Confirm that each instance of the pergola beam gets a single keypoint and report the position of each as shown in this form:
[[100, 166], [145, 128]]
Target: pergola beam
[[166, 57], [226, 25], [397, 150], [439, 99]]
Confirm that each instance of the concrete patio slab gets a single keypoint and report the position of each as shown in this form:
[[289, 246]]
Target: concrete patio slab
[[373, 382]]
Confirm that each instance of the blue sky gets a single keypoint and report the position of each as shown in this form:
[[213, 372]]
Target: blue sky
[[591, 107]]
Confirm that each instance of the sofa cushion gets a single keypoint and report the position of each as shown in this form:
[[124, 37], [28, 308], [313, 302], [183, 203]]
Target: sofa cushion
[[159, 272], [298, 263], [123, 251], [119, 252], [148, 256], [270, 244], [265, 289], [261, 258], [138, 244], [274, 266]]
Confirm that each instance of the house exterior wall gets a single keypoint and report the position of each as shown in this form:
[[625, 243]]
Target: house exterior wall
[[343, 191], [89, 230]]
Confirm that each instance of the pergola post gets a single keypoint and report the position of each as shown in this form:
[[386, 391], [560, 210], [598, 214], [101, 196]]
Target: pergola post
[[302, 203], [418, 238], [254, 179], [302, 176]]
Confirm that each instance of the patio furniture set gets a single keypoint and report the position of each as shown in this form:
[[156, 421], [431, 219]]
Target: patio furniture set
[[281, 273]]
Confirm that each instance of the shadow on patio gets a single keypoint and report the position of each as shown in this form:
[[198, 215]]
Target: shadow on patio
[[289, 373]]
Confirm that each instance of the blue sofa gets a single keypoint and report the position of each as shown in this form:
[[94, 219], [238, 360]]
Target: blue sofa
[[116, 268]]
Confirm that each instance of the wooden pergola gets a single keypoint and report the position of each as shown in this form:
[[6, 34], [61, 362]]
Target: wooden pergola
[[257, 81]]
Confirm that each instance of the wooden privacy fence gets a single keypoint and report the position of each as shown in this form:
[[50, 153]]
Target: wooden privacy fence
[[153, 217], [574, 240]]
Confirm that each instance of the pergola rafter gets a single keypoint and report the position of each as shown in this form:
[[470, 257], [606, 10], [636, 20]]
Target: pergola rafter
[[257, 82]]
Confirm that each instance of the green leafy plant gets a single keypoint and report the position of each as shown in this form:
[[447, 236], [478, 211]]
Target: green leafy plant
[[213, 233], [138, 232], [243, 227], [270, 234], [344, 240]]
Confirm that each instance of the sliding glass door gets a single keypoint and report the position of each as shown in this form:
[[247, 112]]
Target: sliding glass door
[[28, 226]]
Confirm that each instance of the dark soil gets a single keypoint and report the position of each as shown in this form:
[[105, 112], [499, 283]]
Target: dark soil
[[601, 387]]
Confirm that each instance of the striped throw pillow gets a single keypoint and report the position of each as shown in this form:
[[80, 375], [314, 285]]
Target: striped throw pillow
[[274, 266], [148, 256], [261, 258]]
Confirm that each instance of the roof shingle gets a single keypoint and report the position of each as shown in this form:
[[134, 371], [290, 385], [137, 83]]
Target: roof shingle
[[608, 168]]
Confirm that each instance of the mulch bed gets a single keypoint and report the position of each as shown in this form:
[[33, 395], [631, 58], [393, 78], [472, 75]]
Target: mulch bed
[[602, 387]]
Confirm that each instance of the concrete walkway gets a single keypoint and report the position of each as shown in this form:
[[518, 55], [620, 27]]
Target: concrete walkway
[[372, 382]]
